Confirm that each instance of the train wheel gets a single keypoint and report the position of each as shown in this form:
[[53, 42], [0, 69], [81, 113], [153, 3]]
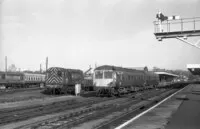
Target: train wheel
[[97, 93], [110, 94]]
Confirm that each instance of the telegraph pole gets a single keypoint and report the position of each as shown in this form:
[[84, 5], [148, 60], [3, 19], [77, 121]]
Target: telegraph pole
[[40, 68], [6, 64]]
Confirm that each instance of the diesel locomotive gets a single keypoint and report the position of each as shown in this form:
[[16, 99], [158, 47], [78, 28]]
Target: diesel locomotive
[[62, 81]]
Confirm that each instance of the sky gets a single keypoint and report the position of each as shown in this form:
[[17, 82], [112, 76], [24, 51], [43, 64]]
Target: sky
[[79, 33]]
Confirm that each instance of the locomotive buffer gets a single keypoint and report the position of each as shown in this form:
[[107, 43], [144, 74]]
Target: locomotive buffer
[[177, 27]]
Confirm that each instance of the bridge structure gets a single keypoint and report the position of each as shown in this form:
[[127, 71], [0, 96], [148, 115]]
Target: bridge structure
[[180, 29], [194, 68]]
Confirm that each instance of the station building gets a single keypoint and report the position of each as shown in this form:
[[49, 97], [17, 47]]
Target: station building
[[164, 76]]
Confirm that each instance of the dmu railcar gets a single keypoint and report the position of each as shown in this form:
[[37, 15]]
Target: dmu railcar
[[20, 79], [112, 80], [62, 81]]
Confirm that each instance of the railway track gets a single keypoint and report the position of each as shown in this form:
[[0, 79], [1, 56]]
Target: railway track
[[116, 107], [11, 115], [132, 111], [98, 110], [11, 91], [19, 114]]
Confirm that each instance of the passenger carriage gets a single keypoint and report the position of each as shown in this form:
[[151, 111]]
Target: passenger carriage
[[112, 80], [21, 79]]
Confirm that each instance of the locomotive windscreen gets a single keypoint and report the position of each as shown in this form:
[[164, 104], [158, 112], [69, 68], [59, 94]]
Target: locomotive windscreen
[[99, 74], [108, 74]]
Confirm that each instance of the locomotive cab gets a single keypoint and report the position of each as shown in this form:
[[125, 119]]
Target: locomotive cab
[[104, 78], [106, 82]]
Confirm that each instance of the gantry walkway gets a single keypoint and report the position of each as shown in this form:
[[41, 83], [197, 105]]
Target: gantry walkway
[[180, 29], [177, 28]]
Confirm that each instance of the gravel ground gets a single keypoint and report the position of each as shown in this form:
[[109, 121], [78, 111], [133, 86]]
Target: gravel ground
[[29, 98], [45, 117], [20, 96]]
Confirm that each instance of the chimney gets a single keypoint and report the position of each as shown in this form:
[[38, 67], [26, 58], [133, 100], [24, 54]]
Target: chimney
[[46, 63]]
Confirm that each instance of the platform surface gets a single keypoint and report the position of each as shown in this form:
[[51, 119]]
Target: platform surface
[[182, 111], [188, 114]]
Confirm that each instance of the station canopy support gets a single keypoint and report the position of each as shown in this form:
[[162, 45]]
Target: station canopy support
[[180, 29]]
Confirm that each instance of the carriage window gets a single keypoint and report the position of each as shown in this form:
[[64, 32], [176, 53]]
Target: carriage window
[[3, 76], [99, 74], [107, 74]]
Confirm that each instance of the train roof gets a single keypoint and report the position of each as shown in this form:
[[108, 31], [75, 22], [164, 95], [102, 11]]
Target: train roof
[[64, 69], [37, 74], [20, 73], [11, 73], [151, 73], [109, 67]]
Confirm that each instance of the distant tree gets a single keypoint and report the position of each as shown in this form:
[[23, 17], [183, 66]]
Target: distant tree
[[27, 71], [156, 69], [12, 68]]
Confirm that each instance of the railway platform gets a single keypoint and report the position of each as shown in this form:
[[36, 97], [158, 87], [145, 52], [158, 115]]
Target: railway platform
[[180, 111]]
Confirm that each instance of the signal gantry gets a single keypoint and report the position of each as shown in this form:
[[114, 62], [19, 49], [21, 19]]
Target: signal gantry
[[177, 27]]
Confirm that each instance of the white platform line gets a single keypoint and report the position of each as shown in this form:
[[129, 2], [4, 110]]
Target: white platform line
[[136, 117]]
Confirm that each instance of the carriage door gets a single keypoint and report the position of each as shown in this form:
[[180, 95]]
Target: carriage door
[[114, 77]]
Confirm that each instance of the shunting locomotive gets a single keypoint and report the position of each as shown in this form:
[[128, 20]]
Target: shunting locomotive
[[62, 81]]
